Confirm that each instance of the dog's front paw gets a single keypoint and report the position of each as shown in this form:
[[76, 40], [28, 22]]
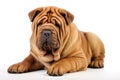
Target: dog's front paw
[[57, 70], [18, 68]]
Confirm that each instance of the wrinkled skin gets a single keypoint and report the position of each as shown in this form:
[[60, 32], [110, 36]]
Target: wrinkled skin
[[57, 45]]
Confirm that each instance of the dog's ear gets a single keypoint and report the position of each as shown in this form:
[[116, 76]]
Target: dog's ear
[[32, 14], [67, 16]]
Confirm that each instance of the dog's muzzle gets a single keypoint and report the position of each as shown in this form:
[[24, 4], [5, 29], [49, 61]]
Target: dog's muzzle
[[46, 40]]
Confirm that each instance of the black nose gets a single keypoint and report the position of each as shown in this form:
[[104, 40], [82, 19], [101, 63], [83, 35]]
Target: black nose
[[46, 33]]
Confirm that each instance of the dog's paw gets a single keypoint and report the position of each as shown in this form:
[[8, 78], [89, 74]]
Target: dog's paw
[[18, 68], [56, 70], [97, 64]]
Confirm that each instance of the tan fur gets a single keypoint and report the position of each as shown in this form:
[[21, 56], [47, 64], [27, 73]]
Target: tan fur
[[77, 50]]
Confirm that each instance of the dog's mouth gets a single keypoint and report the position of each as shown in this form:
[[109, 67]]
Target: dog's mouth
[[48, 46]]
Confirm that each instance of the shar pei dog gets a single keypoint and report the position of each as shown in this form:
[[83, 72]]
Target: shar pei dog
[[58, 46]]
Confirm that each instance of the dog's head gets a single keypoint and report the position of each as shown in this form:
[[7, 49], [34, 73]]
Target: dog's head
[[49, 26]]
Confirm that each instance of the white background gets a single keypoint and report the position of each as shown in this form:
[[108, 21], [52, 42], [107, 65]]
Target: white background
[[99, 16]]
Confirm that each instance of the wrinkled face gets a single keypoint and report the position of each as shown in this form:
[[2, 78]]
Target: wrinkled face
[[49, 26]]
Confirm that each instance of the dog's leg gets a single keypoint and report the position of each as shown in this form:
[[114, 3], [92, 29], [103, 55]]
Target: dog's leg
[[97, 50], [70, 64], [28, 64]]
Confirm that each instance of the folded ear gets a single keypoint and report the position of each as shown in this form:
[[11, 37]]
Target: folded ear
[[32, 14], [67, 16]]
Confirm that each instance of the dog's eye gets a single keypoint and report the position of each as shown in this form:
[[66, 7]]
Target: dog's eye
[[40, 23], [57, 24]]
